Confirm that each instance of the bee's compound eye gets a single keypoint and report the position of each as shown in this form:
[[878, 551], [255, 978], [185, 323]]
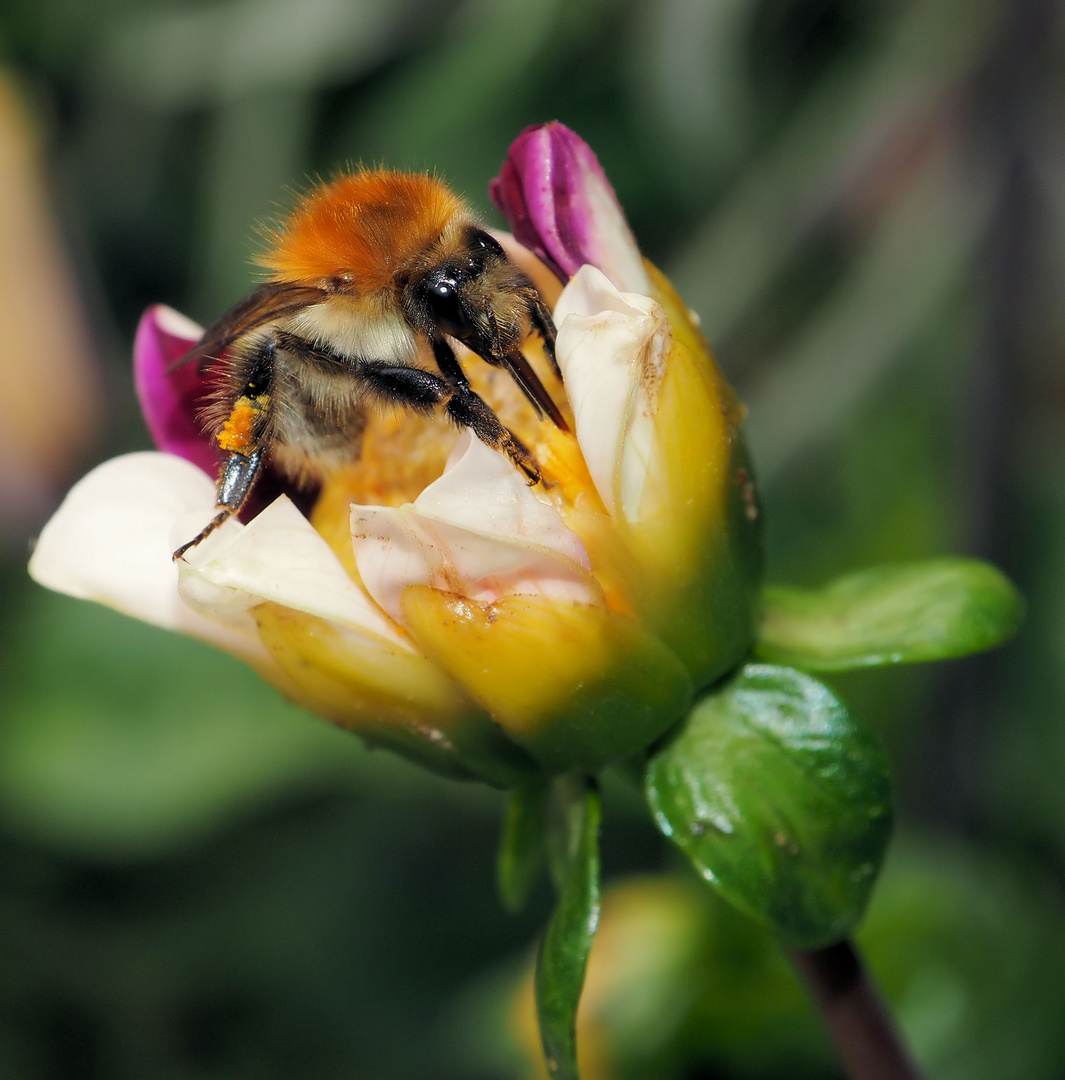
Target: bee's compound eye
[[443, 291], [482, 245], [478, 238]]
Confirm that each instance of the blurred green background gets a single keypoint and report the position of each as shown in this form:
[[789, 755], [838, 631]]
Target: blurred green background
[[864, 200]]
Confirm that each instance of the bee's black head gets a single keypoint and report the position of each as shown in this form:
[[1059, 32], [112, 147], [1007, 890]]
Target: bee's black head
[[457, 294], [476, 295]]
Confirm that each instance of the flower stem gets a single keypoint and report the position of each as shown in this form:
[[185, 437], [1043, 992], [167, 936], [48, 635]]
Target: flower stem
[[864, 1033]]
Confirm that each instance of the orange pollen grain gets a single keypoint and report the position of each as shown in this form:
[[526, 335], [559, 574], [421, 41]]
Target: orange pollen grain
[[236, 435]]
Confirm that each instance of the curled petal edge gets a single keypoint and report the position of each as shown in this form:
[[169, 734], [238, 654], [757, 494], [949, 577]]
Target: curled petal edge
[[168, 395], [560, 204], [478, 531], [612, 348], [110, 541]]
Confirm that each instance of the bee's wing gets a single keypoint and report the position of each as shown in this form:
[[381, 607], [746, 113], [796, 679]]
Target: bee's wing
[[274, 300]]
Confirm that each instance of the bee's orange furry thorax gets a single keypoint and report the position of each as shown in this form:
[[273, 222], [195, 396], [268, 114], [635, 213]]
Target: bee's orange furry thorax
[[361, 226]]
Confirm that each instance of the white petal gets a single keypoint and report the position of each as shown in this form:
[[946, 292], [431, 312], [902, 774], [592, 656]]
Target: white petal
[[112, 538], [618, 254], [479, 531], [278, 556], [612, 349], [173, 322]]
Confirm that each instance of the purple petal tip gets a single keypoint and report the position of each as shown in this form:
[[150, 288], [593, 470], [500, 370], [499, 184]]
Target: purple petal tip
[[559, 204], [169, 396]]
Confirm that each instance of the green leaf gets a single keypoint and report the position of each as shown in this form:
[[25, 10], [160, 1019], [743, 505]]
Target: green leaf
[[780, 800], [521, 849], [900, 614], [567, 941]]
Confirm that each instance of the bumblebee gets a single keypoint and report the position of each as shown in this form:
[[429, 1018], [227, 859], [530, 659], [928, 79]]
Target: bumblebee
[[365, 270]]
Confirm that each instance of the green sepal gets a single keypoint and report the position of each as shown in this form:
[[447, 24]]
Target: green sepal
[[780, 799], [563, 955], [897, 614], [521, 847]]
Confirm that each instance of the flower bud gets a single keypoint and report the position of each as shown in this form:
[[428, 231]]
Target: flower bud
[[658, 425], [434, 602]]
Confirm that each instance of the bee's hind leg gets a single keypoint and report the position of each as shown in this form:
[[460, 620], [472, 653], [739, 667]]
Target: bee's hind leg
[[234, 483], [243, 436]]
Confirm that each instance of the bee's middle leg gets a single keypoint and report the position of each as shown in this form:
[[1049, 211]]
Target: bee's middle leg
[[422, 390]]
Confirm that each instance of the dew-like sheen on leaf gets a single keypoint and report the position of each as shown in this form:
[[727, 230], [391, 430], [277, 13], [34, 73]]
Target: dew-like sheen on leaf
[[780, 799], [929, 610]]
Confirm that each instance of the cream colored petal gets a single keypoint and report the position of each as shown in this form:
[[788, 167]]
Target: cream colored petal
[[618, 254], [612, 348], [179, 325], [478, 531], [279, 557], [111, 541]]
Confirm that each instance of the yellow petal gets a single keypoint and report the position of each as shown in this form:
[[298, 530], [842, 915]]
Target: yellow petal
[[697, 538], [390, 696], [577, 685]]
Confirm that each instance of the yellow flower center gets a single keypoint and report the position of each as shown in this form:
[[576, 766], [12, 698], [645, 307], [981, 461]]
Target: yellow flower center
[[402, 453]]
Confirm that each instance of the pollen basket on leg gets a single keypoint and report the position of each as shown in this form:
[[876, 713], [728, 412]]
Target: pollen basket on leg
[[238, 434]]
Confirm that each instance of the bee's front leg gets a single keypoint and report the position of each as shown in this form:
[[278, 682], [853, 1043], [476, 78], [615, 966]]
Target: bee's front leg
[[469, 410], [514, 362], [421, 390]]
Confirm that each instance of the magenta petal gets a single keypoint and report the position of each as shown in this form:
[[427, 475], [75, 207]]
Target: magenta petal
[[526, 178], [169, 396], [559, 204]]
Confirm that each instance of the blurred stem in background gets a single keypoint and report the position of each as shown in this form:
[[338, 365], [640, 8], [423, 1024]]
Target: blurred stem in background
[[997, 399], [863, 1031], [50, 399]]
